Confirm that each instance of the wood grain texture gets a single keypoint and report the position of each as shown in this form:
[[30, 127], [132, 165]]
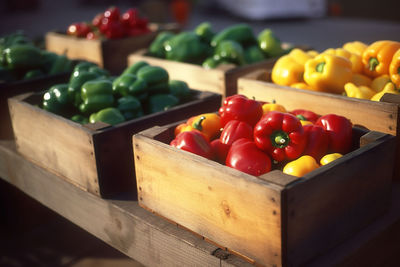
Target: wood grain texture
[[222, 80], [376, 116], [229, 207], [119, 222]]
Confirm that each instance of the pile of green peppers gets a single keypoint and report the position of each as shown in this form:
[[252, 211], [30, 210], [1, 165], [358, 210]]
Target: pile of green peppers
[[93, 95], [234, 45], [20, 59]]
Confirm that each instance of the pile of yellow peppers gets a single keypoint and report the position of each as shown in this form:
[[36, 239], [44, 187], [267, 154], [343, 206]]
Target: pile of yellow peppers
[[356, 69]]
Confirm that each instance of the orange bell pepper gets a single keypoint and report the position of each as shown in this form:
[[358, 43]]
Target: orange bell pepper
[[209, 124], [378, 56], [394, 69]]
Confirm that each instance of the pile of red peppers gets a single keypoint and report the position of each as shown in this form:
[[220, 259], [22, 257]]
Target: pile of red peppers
[[111, 25], [253, 141]]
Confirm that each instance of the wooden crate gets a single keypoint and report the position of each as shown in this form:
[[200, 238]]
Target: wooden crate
[[11, 89], [382, 116], [95, 157], [272, 220], [221, 80], [109, 54]]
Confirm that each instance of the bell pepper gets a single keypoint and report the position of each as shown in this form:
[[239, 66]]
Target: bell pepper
[[79, 118], [205, 32], [213, 62], [340, 132], [355, 47], [273, 107], [209, 124], [361, 92], [179, 89], [394, 69], [253, 54], [360, 79], [161, 102], [129, 84], [156, 48], [220, 150], [96, 95], [130, 107], [193, 142], [378, 56], [270, 43], [380, 82], [108, 115], [356, 62], [317, 141], [245, 156], [239, 107], [135, 67], [32, 74], [329, 158], [235, 130], [22, 56], [328, 73], [303, 114], [281, 135], [301, 85], [230, 51], [186, 47], [155, 77], [289, 69], [388, 89], [56, 99], [301, 166], [241, 33]]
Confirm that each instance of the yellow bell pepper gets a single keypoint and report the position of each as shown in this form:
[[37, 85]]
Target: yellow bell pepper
[[305, 122], [328, 73], [301, 166], [356, 63], [273, 107], [378, 56], [289, 68], [355, 47], [301, 85], [394, 69], [360, 79], [379, 82], [329, 158], [388, 89], [209, 124], [361, 91]]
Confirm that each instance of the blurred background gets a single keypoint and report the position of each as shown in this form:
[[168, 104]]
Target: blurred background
[[31, 234]]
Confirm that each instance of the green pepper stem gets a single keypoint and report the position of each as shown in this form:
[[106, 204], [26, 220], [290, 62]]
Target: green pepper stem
[[197, 125], [320, 67], [301, 117], [372, 63], [279, 139]]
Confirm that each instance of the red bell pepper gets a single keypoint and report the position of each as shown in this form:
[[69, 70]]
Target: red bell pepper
[[306, 115], [235, 130], [220, 150], [340, 131], [317, 141], [193, 141], [281, 135], [245, 156], [239, 107]]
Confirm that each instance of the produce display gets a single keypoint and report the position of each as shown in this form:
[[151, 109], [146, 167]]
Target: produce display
[[255, 138], [20, 59], [236, 44], [93, 95], [355, 70], [111, 25]]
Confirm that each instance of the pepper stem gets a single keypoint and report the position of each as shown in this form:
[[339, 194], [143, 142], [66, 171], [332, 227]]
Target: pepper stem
[[398, 70], [197, 125], [320, 67], [372, 63], [279, 139]]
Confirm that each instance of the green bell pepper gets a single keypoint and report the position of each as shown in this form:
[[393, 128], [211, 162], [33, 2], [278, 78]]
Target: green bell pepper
[[214, 61], [161, 102], [155, 77], [205, 32], [179, 89], [270, 44], [56, 99], [79, 118], [129, 84], [133, 69], [156, 48], [253, 54], [96, 95], [76, 81], [31, 74], [186, 47], [61, 64], [109, 115], [230, 51], [23, 56], [241, 33], [130, 107]]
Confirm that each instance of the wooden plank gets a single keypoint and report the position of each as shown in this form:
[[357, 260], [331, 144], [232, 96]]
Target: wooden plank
[[339, 199], [190, 190], [120, 223], [377, 116]]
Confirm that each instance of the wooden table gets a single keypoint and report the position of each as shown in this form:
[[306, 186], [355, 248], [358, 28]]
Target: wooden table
[[153, 241]]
